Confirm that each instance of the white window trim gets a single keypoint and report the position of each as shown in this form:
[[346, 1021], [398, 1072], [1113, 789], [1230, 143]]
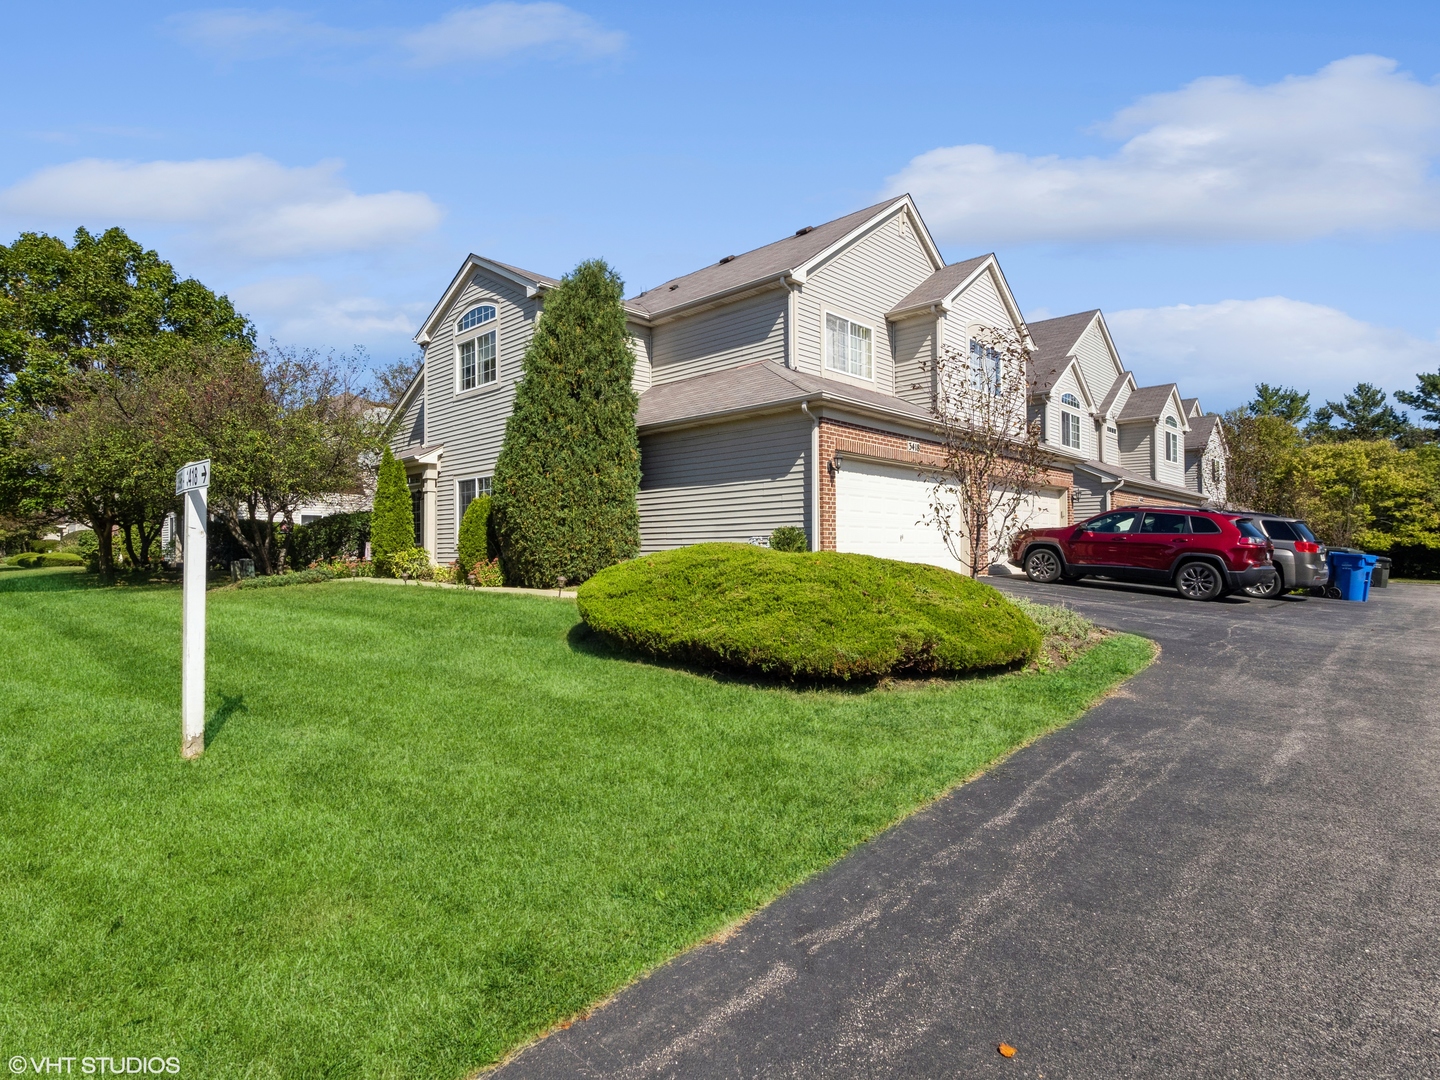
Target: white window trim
[[474, 334], [460, 513], [970, 332], [1074, 416], [1172, 435], [825, 313]]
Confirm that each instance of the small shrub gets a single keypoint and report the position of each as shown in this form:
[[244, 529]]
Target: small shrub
[[35, 560], [474, 541], [486, 575], [445, 575], [789, 538], [44, 545], [334, 536], [818, 614], [412, 562], [313, 576]]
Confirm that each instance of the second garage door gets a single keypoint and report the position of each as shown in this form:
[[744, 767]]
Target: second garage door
[[878, 510]]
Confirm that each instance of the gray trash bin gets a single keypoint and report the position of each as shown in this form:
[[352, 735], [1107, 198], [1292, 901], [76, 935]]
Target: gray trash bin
[[1380, 575]]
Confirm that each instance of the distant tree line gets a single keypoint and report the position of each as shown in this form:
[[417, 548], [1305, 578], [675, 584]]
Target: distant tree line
[[1361, 472]]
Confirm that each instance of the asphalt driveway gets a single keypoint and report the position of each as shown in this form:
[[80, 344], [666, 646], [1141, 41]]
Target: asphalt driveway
[[1230, 869]]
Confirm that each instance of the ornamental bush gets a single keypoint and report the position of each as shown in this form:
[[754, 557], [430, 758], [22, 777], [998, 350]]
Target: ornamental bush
[[34, 560], [569, 469], [392, 522], [789, 538], [334, 536], [817, 614], [474, 540]]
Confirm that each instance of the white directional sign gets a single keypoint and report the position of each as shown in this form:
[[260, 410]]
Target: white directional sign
[[192, 476], [192, 482]]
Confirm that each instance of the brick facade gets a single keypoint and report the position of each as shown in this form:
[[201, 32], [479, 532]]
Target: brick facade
[[1122, 498], [839, 437]]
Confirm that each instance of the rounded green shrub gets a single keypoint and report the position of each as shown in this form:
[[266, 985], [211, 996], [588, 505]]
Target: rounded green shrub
[[392, 522], [33, 560], [789, 538], [474, 540], [816, 614]]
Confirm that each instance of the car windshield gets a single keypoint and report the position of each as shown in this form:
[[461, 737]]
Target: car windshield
[[1303, 531], [1278, 530], [1247, 528], [1112, 523]]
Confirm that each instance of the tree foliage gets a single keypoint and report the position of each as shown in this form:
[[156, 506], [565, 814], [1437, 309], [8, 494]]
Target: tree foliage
[[1364, 414], [1284, 402], [1426, 398], [569, 470], [992, 454], [392, 522]]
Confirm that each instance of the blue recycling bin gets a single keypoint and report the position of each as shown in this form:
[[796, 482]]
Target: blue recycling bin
[[1350, 573]]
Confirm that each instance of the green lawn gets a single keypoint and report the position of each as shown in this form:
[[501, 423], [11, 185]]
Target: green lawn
[[428, 825]]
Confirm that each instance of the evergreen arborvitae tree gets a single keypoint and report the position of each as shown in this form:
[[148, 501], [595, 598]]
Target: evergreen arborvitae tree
[[474, 543], [569, 470], [392, 522]]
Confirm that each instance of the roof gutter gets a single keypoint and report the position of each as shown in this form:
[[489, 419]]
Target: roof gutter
[[781, 280]]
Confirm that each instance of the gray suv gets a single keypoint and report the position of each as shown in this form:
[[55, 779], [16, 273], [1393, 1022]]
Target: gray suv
[[1300, 560]]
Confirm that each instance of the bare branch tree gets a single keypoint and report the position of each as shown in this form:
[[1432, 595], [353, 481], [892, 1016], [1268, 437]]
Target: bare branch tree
[[992, 457]]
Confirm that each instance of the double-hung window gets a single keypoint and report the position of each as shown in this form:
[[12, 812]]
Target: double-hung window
[[1069, 421], [476, 348], [1172, 440], [848, 347], [470, 490], [985, 367]]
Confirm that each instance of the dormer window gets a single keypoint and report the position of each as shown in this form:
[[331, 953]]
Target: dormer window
[[848, 347], [1172, 440], [476, 348], [1070, 422], [985, 369]]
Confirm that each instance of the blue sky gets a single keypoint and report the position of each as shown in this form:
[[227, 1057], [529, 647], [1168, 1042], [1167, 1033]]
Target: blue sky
[[1248, 190]]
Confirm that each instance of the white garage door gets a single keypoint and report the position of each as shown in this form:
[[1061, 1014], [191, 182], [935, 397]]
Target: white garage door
[[878, 509], [1042, 509]]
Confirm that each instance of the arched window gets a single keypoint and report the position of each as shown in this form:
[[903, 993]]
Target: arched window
[[481, 313], [1071, 400], [985, 366], [1069, 422], [1170, 422], [476, 348]]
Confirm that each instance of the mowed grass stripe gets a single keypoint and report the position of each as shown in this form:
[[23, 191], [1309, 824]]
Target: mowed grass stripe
[[428, 825]]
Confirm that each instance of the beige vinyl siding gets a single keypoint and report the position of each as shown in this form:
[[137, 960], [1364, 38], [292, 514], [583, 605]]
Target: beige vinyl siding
[[1069, 384], [1135, 443], [725, 337], [1098, 363], [723, 481], [471, 426], [640, 346], [914, 360], [411, 429], [1109, 436], [862, 283], [980, 304], [1088, 498], [1171, 472]]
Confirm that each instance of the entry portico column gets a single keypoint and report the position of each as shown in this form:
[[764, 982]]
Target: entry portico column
[[429, 484]]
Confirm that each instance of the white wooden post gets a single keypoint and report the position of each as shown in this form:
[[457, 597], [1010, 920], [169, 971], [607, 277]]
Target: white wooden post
[[192, 482]]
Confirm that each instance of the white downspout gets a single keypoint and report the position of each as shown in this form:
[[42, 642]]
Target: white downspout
[[814, 476]]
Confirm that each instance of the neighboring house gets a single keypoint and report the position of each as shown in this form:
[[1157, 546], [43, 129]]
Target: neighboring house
[[1124, 443], [1205, 453], [793, 385]]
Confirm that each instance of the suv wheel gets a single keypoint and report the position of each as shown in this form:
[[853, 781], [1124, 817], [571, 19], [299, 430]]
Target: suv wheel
[[1042, 565], [1268, 589], [1199, 581]]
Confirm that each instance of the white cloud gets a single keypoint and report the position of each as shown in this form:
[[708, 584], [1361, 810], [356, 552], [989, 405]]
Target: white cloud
[[464, 36], [308, 309], [244, 33], [502, 29], [251, 206], [1348, 148], [1218, 352]]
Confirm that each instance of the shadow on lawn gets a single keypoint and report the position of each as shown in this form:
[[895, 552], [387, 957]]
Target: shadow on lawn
[[582, 639], [67, 579], [230, 704]]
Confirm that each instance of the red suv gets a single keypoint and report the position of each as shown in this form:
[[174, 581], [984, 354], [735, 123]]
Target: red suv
[[1204, 555]]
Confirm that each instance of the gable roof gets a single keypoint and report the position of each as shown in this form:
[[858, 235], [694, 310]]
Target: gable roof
[[1148, 402], [1198, 437], [792, 257], [937, 288], [1191, 406], [758, 386], [1055, 341], [1109, 402]]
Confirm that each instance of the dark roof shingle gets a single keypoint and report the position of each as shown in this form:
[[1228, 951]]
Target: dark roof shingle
[[1054, 341], [1147, 402], [939, 284]]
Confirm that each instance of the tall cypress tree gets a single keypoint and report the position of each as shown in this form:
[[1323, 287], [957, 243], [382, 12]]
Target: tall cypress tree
[[569, 470], [392, 522]]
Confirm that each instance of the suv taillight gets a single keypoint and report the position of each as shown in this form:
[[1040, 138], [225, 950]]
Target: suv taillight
[[1254, 541], [1306, 547]]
